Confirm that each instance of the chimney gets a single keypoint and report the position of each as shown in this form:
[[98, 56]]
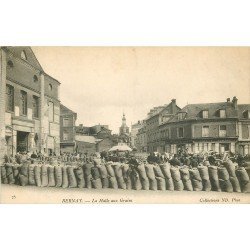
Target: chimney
[[228, 100], [173, 102], [235, 100]]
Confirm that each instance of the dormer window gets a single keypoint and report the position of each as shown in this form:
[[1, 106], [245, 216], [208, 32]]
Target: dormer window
[[181, 116], [23, 55], [205, 114], [50, 87], [222, 113], [246, 114]]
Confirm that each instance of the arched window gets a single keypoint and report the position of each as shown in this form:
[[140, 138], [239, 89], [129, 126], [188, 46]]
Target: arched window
[[50, 87], [23, 55]]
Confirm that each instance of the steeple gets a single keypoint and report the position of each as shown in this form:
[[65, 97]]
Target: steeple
[[123, 120]]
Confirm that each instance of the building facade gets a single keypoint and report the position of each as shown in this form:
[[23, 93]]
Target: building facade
[[156, 117], [219, 127], [30, 105], [134, 130], [141, 139], [67, 129]]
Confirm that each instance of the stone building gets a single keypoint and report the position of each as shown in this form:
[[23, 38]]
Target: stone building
[[156, 117], [30, 105], [93, 139], [141, 139], [220, 127], [134, 130], [67, 129]]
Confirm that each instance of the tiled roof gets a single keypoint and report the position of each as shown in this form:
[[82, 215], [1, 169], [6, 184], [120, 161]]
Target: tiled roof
[[85, 138], [194, 111]]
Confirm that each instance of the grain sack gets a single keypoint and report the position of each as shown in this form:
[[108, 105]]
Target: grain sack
[[243, 179], [97, 183], [235, 183], [169, 184], [118, 170], [153, 184], [58, 176], [65, 179], [205, 178], [88, 181], [4, 178], [196, 179], [113, 182], [226, 185], [230, 166], [175, 173], [51, 176], [32, 180], [110, 170], [121, 182], [44, 174], [135, 178], [95, 173], [37, 171], [161, 183], [184, 171], [145, 184], [185, 176], [214, 179], [127, 177], [103, 171], [150, 171], [79, 177], [165, 168], [9, 173], [105, 182], [142, 172], [223, 173], [71, 177], [178, 185], [87, 168], [157, 171], [16, 172], [23, 175]]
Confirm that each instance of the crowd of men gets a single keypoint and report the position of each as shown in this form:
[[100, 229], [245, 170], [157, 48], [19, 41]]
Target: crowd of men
[[133, 158]]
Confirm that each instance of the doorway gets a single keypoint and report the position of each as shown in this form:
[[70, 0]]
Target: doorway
[[22, 141]]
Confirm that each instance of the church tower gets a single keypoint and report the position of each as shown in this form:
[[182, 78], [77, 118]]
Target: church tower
[[124, 129]]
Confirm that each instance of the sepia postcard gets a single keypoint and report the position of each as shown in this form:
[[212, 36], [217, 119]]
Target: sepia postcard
[[127, 125]]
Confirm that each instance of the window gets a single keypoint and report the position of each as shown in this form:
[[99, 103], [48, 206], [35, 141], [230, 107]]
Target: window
[[66, 122], [35, 106], [246, 114], [222, 113], [205, 131], [23, 55], [180, 132], [9, 98], [35, 78], [205, 114], [223, 131], [181, 116], [167, 133], [51, 111], [50, 87], [10, 64], [23, 106], [65, 135]]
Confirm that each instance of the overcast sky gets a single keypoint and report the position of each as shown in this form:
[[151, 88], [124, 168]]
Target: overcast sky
[[100, 83]]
